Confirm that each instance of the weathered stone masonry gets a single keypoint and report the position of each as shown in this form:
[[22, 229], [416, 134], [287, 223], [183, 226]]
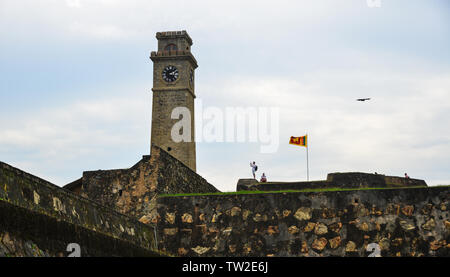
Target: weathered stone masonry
[[334, 180], [403, 222], [38, 218], [170, 95], [134, 191]]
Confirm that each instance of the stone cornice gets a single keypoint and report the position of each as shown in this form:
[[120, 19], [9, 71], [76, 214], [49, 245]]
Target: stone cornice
[[173, 55]]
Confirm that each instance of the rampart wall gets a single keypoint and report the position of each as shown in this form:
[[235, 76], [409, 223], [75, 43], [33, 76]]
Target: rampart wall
[[38, 218], [134, 191], [402, 222], [334, 180]]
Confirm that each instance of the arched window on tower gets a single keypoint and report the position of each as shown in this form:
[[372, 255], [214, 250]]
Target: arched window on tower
[[170, 47]]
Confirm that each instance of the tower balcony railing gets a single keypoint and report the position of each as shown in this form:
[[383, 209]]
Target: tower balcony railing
[[170, 53], [173, 53], [174, 34]]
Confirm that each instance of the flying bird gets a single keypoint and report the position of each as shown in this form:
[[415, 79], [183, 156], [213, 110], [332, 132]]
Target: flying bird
[[362, 99]]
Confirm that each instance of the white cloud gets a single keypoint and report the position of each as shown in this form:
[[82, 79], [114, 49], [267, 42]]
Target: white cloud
[[107, 19], [89, 122], [99, 31], [73, 3], [60, 142]]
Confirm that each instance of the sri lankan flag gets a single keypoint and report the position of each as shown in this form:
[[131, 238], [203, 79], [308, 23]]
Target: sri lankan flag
[[300, 141]]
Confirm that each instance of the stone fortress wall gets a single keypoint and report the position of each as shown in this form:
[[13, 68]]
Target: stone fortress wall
[[38, 218], [350, 180], [41, 219], [134, 191], [402, 222]]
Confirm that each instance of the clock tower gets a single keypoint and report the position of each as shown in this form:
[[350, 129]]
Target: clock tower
[[173, 96]]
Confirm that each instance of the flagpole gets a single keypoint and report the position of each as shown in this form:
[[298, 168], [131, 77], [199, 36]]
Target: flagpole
[[307, 160]]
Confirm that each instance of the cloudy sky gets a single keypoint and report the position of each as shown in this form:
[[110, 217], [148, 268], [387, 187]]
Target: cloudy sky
[[75, 84]]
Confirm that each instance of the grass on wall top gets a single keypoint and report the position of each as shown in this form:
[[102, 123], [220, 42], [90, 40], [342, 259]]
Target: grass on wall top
[[287, 191]]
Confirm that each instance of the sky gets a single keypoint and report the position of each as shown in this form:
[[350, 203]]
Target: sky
[[76, 79]]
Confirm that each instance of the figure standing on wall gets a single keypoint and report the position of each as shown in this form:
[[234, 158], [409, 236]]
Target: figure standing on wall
[[254, 169], [407, 180], [263, 178]]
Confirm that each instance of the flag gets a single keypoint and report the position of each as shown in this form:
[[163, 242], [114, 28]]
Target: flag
[[300, 141]]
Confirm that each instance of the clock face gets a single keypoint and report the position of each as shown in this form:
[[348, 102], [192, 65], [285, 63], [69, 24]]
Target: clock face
[[170, 74]]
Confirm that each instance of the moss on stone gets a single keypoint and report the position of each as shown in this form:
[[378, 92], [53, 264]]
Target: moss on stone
[[287, 191]]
